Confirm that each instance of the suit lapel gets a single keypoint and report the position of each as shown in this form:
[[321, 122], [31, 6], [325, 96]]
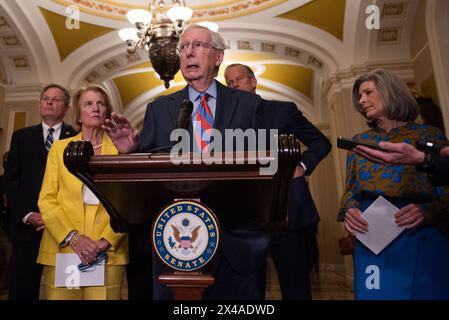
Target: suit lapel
[[226, 105], [66, 132]]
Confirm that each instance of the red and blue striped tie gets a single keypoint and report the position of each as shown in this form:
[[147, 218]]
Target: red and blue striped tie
[[206, 121]]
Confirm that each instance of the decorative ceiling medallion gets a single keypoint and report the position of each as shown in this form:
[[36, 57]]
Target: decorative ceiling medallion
[[91, 77], [203, 10], [232, 9], [268, 47], [292, 52], [10, 42], [111, 65], [245, 45], [394, 10], [390, 35], [20, 63], [3, 23], [314, 61]]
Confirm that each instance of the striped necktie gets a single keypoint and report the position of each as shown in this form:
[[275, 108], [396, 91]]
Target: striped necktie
[[49, 140], [206, 121]]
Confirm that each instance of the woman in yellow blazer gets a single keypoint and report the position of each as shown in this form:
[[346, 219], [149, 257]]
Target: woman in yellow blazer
[[75, 222]]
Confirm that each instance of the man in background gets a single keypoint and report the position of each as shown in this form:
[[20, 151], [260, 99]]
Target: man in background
[[23, 176], [295, 251]]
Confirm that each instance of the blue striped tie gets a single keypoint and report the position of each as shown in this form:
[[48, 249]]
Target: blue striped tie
[[49, 140]]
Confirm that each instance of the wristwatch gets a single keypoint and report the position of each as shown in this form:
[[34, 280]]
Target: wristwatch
[[427, 164]]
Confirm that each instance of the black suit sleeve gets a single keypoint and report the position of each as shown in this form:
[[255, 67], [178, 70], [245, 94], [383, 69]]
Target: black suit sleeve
[[19, 206], [148, 135], [439, 173], [318, 146]]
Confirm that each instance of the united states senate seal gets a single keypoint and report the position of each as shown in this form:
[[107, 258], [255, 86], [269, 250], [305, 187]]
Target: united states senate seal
[[185, 235]]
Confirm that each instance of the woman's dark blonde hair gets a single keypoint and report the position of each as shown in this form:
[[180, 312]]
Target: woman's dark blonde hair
[[399, 102], [77, 97]]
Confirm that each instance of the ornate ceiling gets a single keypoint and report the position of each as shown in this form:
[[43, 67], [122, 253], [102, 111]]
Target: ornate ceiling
[[293, 45]]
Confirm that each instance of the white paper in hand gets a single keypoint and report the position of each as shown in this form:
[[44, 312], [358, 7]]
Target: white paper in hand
[[382, 229], [67, 274]]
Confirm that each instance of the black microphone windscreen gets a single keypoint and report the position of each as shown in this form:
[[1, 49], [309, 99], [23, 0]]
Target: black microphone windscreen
[[184, 116]]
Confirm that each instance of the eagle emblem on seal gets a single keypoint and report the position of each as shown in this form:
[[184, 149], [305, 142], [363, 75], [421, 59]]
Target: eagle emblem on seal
[[185, 237]]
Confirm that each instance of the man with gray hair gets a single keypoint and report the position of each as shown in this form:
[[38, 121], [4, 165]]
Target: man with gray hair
[[236, 267]]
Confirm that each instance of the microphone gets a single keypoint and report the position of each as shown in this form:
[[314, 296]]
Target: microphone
[[183, 122], [429, 147], [185, 115]]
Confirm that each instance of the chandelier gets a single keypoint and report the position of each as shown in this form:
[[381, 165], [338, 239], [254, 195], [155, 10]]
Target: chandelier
[[157, 31]]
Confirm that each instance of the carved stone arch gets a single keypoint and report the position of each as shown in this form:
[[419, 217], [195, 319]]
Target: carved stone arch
[[437, 24]]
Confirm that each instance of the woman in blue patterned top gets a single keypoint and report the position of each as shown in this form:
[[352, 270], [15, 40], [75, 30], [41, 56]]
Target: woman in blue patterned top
[[416, 264]]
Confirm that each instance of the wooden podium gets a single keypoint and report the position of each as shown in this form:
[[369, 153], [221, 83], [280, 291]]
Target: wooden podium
[[135, 187]]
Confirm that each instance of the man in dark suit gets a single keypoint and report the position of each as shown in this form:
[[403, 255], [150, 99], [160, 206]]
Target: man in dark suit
[[23, 175], [201, 53], [291, 251]]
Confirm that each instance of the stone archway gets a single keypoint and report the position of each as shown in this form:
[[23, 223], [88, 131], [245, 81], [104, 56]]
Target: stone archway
[[437, 24]]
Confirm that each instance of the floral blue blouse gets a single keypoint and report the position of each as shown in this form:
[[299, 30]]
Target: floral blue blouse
[[401, 185]]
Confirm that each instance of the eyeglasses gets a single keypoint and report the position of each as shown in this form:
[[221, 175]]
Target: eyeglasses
[[197, 46], [52, 100]]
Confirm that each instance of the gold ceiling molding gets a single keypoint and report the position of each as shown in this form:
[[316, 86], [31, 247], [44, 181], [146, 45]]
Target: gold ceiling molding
[[20, 63], [233, 9], [390, 35], [146, 64], [3, 23], [11, 42], [68, 40], [296, 77], [394, 10], [327, 15], [131, 86], [215, 10]]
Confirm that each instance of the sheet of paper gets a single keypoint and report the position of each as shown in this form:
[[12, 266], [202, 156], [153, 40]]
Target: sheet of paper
[[382, 229], [67, 273]]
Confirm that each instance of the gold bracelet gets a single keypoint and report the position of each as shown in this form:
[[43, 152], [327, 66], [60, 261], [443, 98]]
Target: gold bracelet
[[75, 239]]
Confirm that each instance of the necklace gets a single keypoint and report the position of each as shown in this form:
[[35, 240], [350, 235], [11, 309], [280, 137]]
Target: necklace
[[95, 147]]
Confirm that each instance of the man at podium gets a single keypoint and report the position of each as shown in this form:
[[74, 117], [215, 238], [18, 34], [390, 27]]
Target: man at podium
[[236, 267]]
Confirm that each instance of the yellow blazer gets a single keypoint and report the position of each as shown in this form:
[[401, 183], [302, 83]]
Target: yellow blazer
[[62, 208]]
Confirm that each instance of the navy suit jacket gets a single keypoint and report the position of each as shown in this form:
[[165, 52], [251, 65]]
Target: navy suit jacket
[[286, 117], [235, 109], [24, 173]]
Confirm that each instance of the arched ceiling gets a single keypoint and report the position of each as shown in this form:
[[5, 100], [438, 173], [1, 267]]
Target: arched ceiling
[[291, 44]]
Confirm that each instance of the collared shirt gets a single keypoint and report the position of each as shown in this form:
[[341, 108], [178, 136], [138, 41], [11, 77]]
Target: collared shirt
[[194, 96], [56, 133]]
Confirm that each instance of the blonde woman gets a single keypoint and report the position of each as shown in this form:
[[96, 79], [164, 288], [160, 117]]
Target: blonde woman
[[75, 222]]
